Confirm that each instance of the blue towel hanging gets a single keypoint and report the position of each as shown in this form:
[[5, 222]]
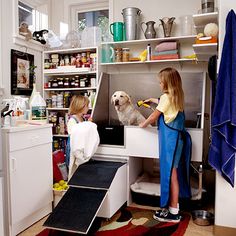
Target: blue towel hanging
[[223, 146]]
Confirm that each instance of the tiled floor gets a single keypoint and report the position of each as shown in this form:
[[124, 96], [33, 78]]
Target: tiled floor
[[192, 230]]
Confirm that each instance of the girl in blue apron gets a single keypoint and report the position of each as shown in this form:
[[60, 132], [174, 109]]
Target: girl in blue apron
[[174, 145], [78, 108]]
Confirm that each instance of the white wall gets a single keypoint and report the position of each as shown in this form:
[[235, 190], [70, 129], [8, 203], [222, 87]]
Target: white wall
[[7, 32], [157, 9]]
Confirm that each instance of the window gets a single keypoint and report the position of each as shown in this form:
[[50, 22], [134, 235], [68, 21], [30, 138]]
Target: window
[[88, 14], [34, 16], [94, 18]]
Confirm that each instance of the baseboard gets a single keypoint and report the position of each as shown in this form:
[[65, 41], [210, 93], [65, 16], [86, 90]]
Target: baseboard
[[226, 231]]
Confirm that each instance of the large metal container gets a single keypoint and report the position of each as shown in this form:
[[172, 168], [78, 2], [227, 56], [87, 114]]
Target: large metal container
[[208, 6], [131, 18]]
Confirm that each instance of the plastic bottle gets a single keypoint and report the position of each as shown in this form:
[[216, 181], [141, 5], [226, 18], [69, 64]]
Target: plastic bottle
[[148, 52], [38, 108]]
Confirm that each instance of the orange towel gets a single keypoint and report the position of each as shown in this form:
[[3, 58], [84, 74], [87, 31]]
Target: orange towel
[[165, 57]]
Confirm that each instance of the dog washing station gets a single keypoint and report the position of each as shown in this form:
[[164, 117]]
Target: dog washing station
[[125, 167], [137, 146]]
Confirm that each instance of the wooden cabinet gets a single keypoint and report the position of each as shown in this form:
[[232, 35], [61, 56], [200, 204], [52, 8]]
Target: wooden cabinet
[[28, 166]]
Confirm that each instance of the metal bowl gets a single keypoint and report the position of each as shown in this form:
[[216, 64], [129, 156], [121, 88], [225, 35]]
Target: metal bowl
[[203, 218]]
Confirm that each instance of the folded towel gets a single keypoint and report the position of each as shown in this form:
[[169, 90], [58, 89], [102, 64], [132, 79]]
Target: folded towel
[[223, 146], [166, 46], [84, 140], [165, 57], [165, 52]]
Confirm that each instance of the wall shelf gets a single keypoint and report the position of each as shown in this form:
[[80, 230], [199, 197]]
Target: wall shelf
[[70, 89], [204, 51], [200, 20], [147, 62], [188, 38]]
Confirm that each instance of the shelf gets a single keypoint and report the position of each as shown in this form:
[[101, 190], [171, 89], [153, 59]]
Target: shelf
[[71, 50], [205, 18], [188, 38], [69, 89], [147, 62], [68, 70], [204, 51]]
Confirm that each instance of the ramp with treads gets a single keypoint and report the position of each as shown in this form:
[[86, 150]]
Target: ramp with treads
[[88, 188]]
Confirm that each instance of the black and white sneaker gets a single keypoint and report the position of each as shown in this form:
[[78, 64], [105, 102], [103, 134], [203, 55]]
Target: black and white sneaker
[[165, 216]]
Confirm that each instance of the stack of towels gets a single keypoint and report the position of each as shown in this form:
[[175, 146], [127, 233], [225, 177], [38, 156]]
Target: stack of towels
[[165, 51]]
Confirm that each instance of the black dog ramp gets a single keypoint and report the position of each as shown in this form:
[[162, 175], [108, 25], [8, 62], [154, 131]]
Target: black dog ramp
[[95, 174], [79, 206]]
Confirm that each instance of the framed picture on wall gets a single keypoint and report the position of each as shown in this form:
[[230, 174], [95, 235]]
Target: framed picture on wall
[[21, 73]]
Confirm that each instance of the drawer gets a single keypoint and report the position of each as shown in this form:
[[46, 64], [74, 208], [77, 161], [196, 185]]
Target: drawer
[[29, 138], [142, 142]]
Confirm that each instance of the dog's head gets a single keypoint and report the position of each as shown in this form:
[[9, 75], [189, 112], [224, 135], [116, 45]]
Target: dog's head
[[120, 98]]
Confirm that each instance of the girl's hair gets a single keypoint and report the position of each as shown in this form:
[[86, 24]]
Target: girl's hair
[[77, 104], [173, 86]]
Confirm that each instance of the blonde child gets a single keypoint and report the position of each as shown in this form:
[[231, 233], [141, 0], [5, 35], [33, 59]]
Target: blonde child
[[78, 108], [174, 144]]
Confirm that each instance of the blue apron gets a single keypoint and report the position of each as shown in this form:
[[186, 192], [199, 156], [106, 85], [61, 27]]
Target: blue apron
[[174, 143]]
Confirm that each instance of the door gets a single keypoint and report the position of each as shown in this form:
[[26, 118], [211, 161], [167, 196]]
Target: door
[[30, 180]]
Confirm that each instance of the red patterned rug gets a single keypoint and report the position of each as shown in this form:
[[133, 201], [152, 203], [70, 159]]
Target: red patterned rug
[[132, 221]]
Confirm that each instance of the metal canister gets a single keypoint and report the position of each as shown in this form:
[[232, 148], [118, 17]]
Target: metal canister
[[131, 18]]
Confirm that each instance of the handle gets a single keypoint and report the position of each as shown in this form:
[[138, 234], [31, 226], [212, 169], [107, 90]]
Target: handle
[[112, 53], [141, 26], [111, 29], [13, 164]]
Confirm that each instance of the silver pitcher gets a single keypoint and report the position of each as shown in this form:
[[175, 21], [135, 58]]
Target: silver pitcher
[[131, 20], [150, 32], [167, 23]]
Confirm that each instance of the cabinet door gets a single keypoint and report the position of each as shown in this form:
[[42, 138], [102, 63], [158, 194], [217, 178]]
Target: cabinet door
[[30, 180]]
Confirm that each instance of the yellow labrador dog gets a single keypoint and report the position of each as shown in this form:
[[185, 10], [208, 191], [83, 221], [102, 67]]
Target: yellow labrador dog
[[126, 111]]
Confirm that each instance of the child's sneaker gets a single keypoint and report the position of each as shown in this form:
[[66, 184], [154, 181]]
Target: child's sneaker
[[165, 216]]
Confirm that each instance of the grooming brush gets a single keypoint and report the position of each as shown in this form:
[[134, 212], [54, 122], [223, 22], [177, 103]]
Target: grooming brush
[[142, 103]]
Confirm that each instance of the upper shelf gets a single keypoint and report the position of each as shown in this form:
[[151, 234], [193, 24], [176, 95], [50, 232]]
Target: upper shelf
[[200, 20], [71, 50], [204, 51], [147, 62], [188, 38]]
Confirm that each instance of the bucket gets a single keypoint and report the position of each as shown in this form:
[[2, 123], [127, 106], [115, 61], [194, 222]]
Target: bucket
[[131, 18]]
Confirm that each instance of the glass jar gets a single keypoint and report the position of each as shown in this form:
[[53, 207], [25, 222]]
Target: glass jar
[[118, 54], [125, 54], [72, 82], [82, 82], [47, 64], [54, 83], [66, 83], [83, 59], [67, 60], [60, 82], [77, 81], [78, 61]]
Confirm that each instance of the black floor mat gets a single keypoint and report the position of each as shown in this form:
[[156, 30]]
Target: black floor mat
[[95, 174], [76, 210]]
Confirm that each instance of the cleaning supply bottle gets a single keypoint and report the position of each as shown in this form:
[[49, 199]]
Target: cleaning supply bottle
[[38, 108], [149, 52]]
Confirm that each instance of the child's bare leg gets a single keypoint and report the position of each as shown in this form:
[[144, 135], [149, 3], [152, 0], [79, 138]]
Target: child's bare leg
[[174, 189]]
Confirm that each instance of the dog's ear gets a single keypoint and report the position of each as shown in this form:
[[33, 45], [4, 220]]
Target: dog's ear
[[129, 99]]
